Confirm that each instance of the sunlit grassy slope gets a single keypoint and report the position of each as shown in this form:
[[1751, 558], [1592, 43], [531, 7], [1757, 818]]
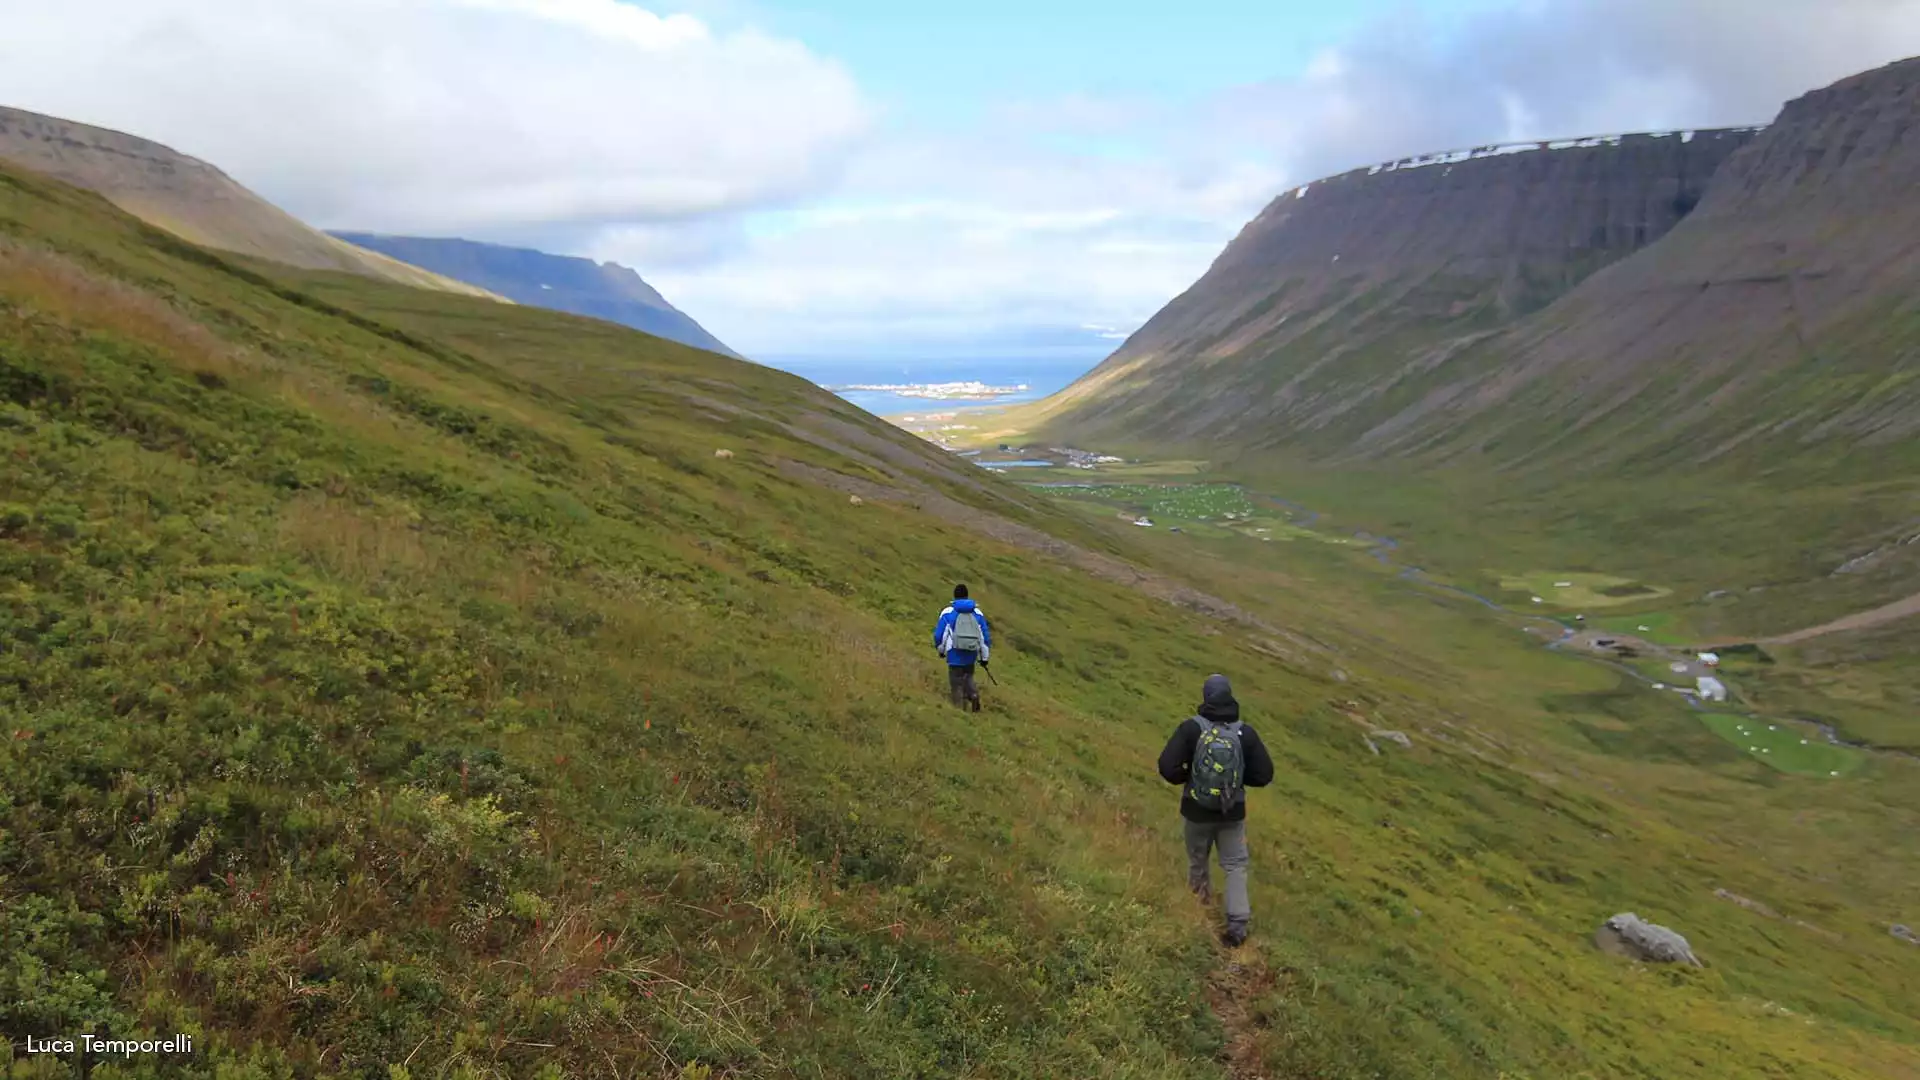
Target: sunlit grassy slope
[[397, 684]]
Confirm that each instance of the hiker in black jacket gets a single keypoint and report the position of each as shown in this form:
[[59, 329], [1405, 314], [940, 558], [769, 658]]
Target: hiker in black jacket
[[1214, 804]]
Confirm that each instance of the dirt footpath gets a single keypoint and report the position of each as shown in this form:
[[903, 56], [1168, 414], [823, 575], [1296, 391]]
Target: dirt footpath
[[1859, 620]]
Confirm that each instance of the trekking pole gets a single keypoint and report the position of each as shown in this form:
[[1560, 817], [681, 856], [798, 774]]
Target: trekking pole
[[989, 671]]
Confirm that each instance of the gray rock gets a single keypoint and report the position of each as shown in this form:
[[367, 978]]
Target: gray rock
[[1629, 935], [1393, 736], [1905, 934]]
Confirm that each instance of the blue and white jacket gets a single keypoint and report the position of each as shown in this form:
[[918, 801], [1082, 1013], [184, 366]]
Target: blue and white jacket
[[943, 634]]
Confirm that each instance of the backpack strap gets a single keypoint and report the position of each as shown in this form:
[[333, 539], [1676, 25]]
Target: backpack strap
[[1195, 752]]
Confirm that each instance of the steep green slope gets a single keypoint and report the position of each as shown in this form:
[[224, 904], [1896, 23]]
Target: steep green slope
[[397, 683]]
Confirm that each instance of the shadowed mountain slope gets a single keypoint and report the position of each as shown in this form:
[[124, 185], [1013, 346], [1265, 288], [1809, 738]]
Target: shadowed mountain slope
[[1312, 307]]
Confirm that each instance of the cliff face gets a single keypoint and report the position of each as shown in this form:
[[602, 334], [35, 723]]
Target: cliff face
[[601, 290], [189, 198], [1830, 150], [1548, 211], [1398, 254], [1777, 327]]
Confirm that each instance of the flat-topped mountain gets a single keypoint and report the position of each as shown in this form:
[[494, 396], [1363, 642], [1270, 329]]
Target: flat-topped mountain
[[1337, 279]]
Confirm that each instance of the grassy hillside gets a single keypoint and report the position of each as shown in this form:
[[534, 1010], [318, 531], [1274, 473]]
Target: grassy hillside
[[192, 199], [398, 684]]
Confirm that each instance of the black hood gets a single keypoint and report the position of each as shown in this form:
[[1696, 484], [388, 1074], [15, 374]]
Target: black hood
[[1216, 700]]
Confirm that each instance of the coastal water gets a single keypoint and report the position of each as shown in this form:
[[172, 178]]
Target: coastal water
[[1041, 374]]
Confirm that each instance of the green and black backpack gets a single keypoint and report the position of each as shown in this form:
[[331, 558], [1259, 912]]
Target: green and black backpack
[[1217, 780]]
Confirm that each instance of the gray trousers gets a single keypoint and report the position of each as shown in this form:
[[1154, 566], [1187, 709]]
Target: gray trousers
[[1231, 838]]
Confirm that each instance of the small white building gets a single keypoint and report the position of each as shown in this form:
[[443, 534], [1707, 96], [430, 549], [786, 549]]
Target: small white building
[[1711, 689], [1710, 659]]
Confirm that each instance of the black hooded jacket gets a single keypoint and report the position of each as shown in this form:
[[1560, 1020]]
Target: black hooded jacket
[[1177, 759]]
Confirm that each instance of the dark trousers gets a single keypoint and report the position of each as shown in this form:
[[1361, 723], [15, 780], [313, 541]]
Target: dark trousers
[[960, 686]]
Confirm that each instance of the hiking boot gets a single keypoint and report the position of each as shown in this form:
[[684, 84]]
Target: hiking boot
[[976, 704], [1235, 935]]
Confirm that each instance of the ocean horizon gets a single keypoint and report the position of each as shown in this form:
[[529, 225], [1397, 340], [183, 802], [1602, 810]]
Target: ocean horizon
[[1041, 375]]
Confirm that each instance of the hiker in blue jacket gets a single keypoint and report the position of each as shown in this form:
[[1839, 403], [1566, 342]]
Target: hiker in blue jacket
[[1215, 757], [962, 636]]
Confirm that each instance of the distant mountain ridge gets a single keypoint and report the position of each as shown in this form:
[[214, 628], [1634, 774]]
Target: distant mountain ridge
[[191, 199], [1318, 301], [563, 283]]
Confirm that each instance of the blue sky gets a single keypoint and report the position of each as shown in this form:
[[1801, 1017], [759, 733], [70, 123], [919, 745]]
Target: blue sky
[[944, 63], [853, 178]]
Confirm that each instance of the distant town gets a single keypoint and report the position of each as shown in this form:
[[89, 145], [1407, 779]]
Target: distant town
[[950, 391]]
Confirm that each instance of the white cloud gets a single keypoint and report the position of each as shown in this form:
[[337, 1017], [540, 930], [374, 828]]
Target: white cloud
[[978, 231], [814, 289], [701, 242], [1549, 69], [969, 236], [448, 115], [609, 19]]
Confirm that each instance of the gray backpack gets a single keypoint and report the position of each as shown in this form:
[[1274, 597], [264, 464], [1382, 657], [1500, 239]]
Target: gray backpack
[[965, 635], [1217, 780]]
